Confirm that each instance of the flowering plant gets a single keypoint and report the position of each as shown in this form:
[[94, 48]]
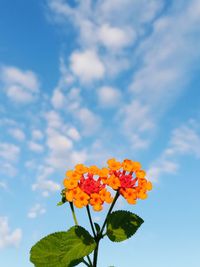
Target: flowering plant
[[91, 186]]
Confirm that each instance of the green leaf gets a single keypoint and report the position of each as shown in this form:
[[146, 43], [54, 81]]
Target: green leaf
[[122, 224], [60, 203], [97, 227], [62, 249], [63, 199]]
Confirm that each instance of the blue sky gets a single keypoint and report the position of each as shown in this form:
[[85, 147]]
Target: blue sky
[[82, 81]]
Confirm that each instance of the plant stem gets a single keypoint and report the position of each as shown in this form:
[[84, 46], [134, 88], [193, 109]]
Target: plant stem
[[73, 213], [95, 255], [85, 262], [100, 235], [109, 211], [76, 223], [90, 219], [90, 262]]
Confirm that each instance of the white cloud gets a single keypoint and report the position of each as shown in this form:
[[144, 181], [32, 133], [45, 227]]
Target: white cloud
[[44, 183], [37, 134], [60, 8], [73, 99], [46, 186], [78, 157], [138, 141], [8, 237], [161, 77], [87, 65], [109, 96], [60, 137], [20, 86], [58, 143], [162, 167], [35, 147], [7, 168], [17, 134], [35, 211], [158, 64], [58, 99], [97, 26], [9, 151], [137, 120], [90, 121], [53, 119], [3, 185], [114, 37], [137, 116], [184, 141], [74, 134], [129, 11]]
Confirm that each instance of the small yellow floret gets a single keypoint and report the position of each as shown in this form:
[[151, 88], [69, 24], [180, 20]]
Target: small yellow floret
[[105, 196], [81, 200], [140, 174], [113, 164], [70, 183], [136, 166], [127, 165], [81, 168], [97, 207], [149, 186], [93, 170], [103, 172], [114, 182], [95, 199], [130, 195], [73, 175]]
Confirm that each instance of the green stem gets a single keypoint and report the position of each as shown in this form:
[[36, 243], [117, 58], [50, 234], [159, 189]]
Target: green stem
[[100, 235], [90, 262], [73, 213], [109, 211], [96, 255], [76, 223], [90, 219], [85, 262]]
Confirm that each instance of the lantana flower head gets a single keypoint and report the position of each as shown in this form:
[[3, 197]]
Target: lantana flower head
[[84, 186], [128, 179], [89, 185]]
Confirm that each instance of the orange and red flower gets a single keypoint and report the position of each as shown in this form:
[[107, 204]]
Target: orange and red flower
[[89, 185]]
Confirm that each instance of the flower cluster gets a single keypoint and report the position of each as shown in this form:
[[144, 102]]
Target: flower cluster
[[89, 185], [84, 186], [129, 179]]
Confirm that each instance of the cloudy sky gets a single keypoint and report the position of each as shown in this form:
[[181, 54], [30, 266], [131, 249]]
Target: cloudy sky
[[82, 81]]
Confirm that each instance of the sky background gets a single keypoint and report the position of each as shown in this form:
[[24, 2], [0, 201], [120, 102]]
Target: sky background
[[83, 81]]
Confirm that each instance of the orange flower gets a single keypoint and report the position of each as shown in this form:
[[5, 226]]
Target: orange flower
[[127, 165], [149, 186], [113, 182], [130, 195], [142, 194], [136, 166], [88, 185], [81, 168], [113, 164], [96, 202], [140, 174], [70, 183], [103, 172], [73, 175], [71, 194], [93, 170], [81, 200], [105, 196]]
